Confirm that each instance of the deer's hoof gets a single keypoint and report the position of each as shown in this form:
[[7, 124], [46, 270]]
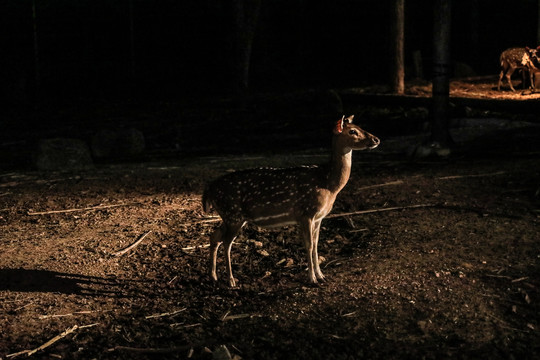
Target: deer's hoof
[[319, 275]]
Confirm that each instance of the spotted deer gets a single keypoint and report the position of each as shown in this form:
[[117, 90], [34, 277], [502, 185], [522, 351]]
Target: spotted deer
[[271, 197], [512, 59]]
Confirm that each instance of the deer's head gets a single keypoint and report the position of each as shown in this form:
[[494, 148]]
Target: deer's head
[[533, 57], [349, 136]]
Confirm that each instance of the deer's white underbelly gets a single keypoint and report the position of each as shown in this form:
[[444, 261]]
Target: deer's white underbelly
[[274, 220]]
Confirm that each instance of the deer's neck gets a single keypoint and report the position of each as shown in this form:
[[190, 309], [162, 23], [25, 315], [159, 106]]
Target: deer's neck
[[340, 169]]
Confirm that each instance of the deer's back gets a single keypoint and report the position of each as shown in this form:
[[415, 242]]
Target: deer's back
[[513, 57], [270, 197]]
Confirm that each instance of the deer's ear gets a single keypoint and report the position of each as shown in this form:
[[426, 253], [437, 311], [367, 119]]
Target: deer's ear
[[350, 119], [339, 126]]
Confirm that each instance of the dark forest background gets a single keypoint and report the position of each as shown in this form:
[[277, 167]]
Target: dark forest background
[[170, 49]]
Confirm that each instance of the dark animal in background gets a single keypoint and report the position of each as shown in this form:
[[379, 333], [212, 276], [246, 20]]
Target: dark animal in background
[[536, 80], [512, 59], [276, 197]]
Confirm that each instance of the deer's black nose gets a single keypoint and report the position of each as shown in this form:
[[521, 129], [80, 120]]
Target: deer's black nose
[[375, 141]]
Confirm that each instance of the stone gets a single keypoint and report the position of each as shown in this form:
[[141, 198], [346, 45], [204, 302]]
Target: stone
[[61, 154], [108, 143]]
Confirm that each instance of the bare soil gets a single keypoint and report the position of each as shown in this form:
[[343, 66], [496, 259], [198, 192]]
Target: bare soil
[[457, 276]]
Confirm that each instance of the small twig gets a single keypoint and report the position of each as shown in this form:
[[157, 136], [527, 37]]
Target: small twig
[[397, 182], [508, 278], [185, 326], [472, 175], [99, 207], [88, 326], [123, 251], [22, 307], [226, 316], [499, 276], [151, 350], [161, 350], [196, 247], [209, 220], [380, 210], [335, 261], [41, 317], [173, 313], [51, 341], [504, 324], [222, 318], [17, 354], [358, 230]]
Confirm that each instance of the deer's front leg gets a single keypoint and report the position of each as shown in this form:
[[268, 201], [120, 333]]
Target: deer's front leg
[[316, 227], [215, 242], [501, 75], [307, 231]]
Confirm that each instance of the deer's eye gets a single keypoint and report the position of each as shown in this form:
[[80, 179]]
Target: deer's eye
[[353, 132]]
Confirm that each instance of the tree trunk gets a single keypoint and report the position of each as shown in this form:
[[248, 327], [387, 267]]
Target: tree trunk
[[538, 25], [441, 78], [246, 13], [37, 71], [132, 62], [474, 32], [398, 77]]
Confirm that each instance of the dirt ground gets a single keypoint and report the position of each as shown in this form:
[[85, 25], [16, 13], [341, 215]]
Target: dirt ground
[[450, 270]]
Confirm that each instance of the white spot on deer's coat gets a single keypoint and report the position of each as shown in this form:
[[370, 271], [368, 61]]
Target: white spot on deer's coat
[[524, 59]]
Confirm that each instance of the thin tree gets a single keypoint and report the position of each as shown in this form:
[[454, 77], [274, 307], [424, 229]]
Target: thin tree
[[37, 71], [132, 62], [538, 25], [440, 134], [474, 31], [398, 77], [246, 14]]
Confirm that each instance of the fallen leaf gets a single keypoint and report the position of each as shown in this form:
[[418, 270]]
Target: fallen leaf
[[290, 262], [256, 243], [263, 252]]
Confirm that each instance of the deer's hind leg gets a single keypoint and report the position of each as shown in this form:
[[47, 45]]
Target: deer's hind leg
[[215, 242], [508, 76], [226, 234], [501, 75]]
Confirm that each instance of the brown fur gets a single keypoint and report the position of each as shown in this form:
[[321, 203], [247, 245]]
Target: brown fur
[[276, 197]]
